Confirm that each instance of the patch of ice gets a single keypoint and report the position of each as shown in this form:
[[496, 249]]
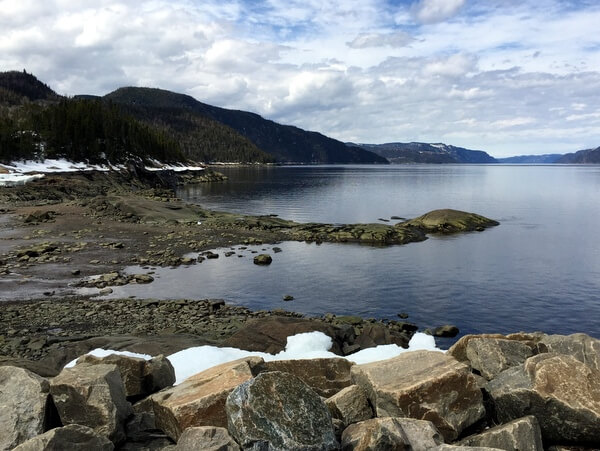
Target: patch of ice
[[52, 165], [309, 345], [166, 167], [11, 179]]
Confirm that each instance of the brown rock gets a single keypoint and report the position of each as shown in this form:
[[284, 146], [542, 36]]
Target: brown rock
[[350, 405], [200, 399], [72, 437], [459, 349], [522, 434], [391, 433], [491, 356], [270, 334], [206, 438], [562, 392], [93, 396], [376, 334], [423, 385], [584, 348], [325, 376], [23, 404]]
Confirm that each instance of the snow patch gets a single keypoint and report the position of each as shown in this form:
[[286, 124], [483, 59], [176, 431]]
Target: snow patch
[[12, 179], [309, 345], [99, 352], [167, 167]]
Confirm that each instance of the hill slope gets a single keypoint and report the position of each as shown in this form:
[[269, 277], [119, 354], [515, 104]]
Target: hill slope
[[415, 152], [531, 159], [285, 143], [19, 87], [586, 156]]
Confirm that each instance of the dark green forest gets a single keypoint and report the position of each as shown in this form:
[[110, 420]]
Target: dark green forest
[[81, 130]]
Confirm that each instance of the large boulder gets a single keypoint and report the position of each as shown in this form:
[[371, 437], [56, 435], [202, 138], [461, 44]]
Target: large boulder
[[206, 438], [459, 349], [94, 396], [424, 385], [560, 391], [522, 434], [140, 377], [271, 334], [391, 433], [584, 348], [277, 411], [23, 405], [491, 356], [350, 405], [325, 376], [200, 399], [73, 437]]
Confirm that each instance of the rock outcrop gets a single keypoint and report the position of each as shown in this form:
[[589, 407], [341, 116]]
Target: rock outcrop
[[277, 411], [433, 387]]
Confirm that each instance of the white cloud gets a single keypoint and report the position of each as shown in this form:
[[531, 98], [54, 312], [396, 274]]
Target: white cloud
[[362, 70], [366, 40], [431, 11]]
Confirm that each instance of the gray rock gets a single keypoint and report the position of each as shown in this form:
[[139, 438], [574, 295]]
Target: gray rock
[[424, 385], [391, 433], [491, 356], [277, 411], [580, 346], [560, 391], [23, 404], [324, 376], [72, 437], [94, 396], [522, 434], [350, 405], [446, 331], [207, 438]]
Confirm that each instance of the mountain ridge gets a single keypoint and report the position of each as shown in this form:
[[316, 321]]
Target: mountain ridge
[[428, 153]]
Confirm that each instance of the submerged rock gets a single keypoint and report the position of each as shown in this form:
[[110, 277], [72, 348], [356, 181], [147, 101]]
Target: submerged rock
[[277, 411], [263, 259], [450, 221]]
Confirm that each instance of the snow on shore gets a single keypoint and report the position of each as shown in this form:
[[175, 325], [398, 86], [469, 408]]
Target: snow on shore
[[310, 345]]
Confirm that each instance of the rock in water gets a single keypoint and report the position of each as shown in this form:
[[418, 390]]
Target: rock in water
[[93, 396], [560, 391], [72, 437], [277, 411], [206, 438], [23, 399], [522, 434], [200, 399], [263, 259], [424, 385]]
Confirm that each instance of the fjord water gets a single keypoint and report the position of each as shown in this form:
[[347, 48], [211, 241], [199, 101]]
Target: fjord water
[[538, 270]]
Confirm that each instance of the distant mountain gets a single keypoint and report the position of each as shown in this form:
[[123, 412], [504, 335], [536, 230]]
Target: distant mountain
[[587, 156], [531, 159], [287, 144], [18, 87], [416, 152]]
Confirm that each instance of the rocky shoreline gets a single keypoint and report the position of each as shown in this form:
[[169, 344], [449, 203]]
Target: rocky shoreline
[[488, 392], [522, 391]]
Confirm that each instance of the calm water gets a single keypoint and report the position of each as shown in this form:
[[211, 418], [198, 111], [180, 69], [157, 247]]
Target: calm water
[[539, 270]]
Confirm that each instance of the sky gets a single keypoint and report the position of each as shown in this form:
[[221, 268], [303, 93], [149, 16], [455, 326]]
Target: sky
[[506, 76]]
